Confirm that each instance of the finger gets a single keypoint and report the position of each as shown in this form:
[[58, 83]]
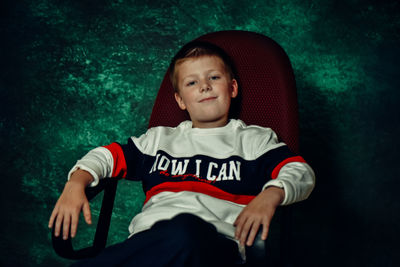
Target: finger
[[58, 224], [238, 219], [253, 232], [245, 231], [66, 225], [52, 217], [86, 213], [252, 235], [265, 231], [74, 224], [239, 227]]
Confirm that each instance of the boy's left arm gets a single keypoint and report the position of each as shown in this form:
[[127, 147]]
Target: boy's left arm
[[294, 183]]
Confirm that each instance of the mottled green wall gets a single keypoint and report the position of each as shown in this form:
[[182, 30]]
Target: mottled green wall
[[78, 74]]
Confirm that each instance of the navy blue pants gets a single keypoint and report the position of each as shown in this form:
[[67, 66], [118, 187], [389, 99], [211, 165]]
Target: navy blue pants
[[185, 240]]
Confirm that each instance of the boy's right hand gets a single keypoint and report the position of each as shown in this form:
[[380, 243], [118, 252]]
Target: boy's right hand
[[68, 207]]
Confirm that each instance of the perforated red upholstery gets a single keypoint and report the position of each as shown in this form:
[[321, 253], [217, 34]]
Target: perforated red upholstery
[[266, 83]]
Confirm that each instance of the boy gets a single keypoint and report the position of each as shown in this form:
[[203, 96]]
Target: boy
[[207, 181]]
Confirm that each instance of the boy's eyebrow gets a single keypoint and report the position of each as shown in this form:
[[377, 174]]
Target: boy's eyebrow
[[208, 71], [189, 76]]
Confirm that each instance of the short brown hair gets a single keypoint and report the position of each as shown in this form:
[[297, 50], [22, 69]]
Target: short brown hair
[[197, 49]]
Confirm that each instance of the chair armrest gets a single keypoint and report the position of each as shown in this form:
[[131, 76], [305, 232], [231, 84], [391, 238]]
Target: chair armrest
[[65, 249], [272, 251], [257, 254]]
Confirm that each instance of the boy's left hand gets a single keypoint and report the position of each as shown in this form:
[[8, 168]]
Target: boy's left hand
[[258, 212]]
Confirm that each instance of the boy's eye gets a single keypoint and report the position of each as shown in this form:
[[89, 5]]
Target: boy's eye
[[191, 83], [214, 77]]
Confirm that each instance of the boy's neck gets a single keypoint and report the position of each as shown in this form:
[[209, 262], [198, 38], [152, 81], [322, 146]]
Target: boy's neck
[[211, 124]]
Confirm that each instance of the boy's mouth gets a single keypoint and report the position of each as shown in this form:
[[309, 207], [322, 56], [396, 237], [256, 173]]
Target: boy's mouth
[[207, 99]]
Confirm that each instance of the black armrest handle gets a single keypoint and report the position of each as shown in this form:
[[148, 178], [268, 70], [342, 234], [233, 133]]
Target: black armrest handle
[[65, 249], [256, 255], [273, 251]]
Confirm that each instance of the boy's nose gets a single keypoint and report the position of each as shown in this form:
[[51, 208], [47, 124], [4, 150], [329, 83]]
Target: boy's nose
[[205, 86]]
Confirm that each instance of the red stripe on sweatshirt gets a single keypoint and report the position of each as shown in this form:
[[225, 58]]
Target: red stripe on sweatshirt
[[198, 187], [119, 169], [278, 168]]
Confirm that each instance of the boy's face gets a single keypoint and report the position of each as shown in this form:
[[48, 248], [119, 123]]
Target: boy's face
[[205, 90]]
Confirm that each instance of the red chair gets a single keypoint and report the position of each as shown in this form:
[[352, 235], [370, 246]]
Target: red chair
[[267, 86], [267, 98]]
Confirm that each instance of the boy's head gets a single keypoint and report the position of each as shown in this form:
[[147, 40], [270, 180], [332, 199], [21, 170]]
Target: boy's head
[[198, 49], [204, 84]]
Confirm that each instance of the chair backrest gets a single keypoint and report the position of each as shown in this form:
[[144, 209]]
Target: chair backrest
[[266, 83]]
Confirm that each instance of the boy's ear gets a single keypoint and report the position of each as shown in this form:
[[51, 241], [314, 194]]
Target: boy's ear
[[235, 88], [180, 102]]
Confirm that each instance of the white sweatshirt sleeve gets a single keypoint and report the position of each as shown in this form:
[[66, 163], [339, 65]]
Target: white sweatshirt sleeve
[[98, 162], [297, 180]]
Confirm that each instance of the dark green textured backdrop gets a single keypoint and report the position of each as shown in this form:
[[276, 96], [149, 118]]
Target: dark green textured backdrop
[[78, 74]]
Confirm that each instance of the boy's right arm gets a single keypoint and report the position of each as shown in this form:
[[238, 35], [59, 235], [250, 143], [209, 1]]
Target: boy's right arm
[[71, 202]]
